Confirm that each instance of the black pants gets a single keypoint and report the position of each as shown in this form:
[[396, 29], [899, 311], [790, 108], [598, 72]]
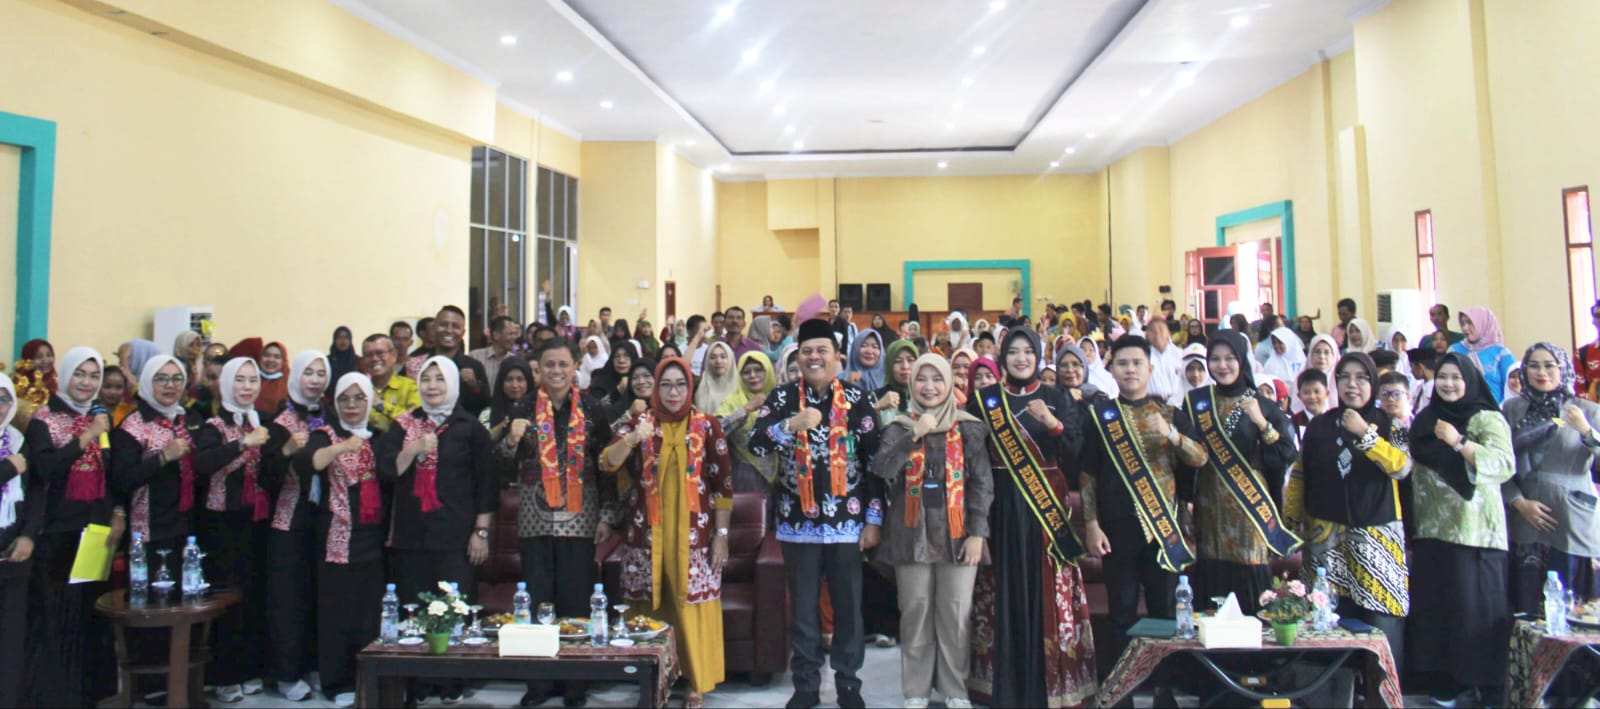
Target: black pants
[[805, 566], [349, 606], [1131, 564], [13, 630], [235, 549], [70, 658], [559, 570], [291, 614]]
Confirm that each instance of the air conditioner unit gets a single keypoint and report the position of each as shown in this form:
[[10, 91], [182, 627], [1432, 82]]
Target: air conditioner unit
[[168, 322], [1404, 309]]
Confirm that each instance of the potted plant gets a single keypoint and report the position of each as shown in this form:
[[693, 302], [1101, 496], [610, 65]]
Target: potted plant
[[441, 613], [1288, 604]]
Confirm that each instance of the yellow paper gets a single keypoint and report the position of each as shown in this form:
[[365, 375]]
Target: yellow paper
[[94, 559]]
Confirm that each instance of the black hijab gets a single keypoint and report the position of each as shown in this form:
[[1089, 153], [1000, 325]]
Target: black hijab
[[1245, 383], [1326, 439], [1022, 331], [605, 383], [1426, 447], [502, 407], [341, 362]]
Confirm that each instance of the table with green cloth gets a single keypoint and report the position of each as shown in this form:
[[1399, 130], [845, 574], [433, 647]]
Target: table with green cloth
[[651, 664], [1144, 655], [1537, 658]]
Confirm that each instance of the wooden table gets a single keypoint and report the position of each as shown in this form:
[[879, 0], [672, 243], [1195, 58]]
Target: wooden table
[[651, 664], [185, 669], [1333, 649], [1538, 658]]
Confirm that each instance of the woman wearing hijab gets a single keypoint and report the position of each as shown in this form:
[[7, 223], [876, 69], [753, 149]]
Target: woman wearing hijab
[[679, 502], [1463, 452], [645, 335], [1031, 616], [274, 379], [960, 369], [438, 458], [1194, 332], [1099, 376], [231, 522], [940, 488], [1236, 540], [342, 355], [189, 348], [720, 380], [1485, 348], [43, 356], [153, 464], [737, 414], [1343, 498], [960, 334], [787, 357], [71, 651], [596, 354], [348, 548], [1360, 337], [1556, 527], [641, 386], [607, 383], [133, 354], [1323, 355], [1288, 356], [865, 365], [1073, 376], [116, 391], [1394, 340], [983, 373], [21, 519], [291, 536], [511, 398], [894, 397]]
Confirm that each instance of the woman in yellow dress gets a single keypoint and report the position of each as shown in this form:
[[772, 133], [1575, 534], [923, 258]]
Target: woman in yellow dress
[[680, 499]]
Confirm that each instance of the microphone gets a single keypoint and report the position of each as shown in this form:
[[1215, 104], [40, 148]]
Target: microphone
[[105, 438]]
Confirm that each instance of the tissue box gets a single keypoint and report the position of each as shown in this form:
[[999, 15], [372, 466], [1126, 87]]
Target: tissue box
[[529, 641], [1242, 632]]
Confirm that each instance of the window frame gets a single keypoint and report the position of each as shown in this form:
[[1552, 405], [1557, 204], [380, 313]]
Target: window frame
[[496, 231], [1427, 258], [1569, 252]]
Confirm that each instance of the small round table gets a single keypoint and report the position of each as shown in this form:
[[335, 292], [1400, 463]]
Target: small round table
[[184, 671]]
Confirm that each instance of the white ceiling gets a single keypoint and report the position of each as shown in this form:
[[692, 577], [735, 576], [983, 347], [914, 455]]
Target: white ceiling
[[879, 87]]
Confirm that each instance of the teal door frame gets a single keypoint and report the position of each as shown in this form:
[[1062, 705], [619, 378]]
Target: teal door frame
[[37, 139], [1284, 211], [908, 293]]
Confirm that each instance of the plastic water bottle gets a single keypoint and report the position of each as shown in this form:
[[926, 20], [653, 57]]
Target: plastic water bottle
[[1555, 604], [389, 627], [1185, 604], [455, 633], [521, 605], [191, 570], [138, 572], [597, 616], [1322, 618]]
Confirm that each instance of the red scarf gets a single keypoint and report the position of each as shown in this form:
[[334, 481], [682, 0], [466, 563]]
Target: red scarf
[[185, 464], [86, 480], [954, 483], [650, 462], [550, 466], [838, 429], [425, 486], [363, 461]]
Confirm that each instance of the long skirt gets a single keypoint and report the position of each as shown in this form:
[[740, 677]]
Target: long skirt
[[235, 549], [1461, 625], [70, 657]]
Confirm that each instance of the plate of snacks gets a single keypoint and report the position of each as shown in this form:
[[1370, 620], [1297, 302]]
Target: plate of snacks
[[493, 623], [645, 628], [1586, 615], [574, 628]]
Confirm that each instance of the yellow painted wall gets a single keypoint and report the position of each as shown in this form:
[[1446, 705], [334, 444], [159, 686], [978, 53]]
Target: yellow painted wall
[[1271, 149], [1141, 227], [686, 242], [747, 251], [617, 228], [183, 178], [559, 151], [1543, 66]]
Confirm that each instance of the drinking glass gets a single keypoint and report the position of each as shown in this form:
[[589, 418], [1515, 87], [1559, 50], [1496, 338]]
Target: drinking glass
[[476, 628], [547, 613], [163, 583], [412, 626], [620, 628]]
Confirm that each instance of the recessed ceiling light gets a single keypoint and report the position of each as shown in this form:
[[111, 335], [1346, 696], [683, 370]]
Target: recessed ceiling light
[[767, 85], [966, 81], [508, 39], [1089, 136], [979, 50], [564, 76], [1144, 92], [788, 129], [750, 56], [949, 126], [997, 5], [1240, 20], [1186, 77], [1055, 163], [1113, 117], [606, 103], [799, 145], [689, 143], [725, 11], [943, 164], [779, 110], [1069, 151], [957, 106]]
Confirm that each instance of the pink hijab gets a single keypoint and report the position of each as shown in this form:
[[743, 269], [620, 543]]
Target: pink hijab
[[1487, 326]]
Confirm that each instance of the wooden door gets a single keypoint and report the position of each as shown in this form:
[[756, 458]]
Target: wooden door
[[966, 297], [672, 298], [1217, 283]]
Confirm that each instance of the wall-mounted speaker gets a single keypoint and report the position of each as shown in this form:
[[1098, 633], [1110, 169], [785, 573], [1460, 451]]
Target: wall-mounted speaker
[[878, 298], [850, 296]]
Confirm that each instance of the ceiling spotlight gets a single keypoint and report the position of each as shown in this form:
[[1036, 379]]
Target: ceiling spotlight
[[1069, 151], [725, 11], [997, 5], [979, 50], [767, 85], [508, 39], [1144, 92], [1113, 117], [943, 164], [966, 81], [788, 129], [799, 145], [957, 106], [1055, 163], [779, 110], [750, 56], [564, 76], [949, 126], [1186, 77], [1089, 136], [606, 103], [1239, 21]]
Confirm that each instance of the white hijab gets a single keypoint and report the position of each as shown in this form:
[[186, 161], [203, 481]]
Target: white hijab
[[68, 365], [452, 387], [1369, 338], [297, 370], [241, 414], [1099, 376], [591, 362], [964, 340], [711, 390], [12, 493], [1286, 366], [147, 386], [362, 382]]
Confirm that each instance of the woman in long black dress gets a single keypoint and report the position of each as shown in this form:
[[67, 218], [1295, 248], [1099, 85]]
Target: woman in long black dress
[[1030, 650]]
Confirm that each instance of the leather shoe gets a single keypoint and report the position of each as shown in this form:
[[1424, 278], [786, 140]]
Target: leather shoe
[[850, 698], [803, 700]]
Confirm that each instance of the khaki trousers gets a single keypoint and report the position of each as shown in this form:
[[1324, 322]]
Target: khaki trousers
[[935, 628]]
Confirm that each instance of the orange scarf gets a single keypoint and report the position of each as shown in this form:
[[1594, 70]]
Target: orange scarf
[[550, 467], [954, 482], [838, 430], [699, 429]]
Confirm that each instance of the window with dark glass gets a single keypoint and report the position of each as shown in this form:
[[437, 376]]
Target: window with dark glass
[[499, 237]]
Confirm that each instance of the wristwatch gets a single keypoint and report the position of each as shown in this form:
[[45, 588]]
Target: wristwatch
[[722, 531], [481, 533]]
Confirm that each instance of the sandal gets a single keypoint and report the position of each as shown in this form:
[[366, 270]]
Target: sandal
[[694, 700]]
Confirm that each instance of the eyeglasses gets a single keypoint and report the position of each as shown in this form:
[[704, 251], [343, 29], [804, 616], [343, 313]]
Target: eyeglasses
[[1393, 395], [162, 380], [357, 400], [672, 386]]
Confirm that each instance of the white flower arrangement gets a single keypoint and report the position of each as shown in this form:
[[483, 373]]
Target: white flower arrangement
[[446, 609]]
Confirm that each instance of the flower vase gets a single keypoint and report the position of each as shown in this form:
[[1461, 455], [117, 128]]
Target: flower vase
[[1286, 633], [438, 643]]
